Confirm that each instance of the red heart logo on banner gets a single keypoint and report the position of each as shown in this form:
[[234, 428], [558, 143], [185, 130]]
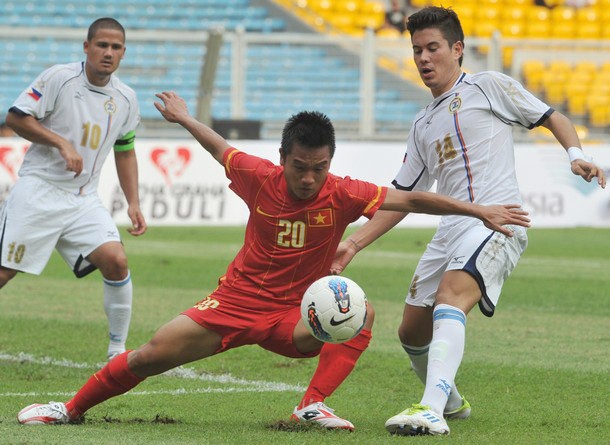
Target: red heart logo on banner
[[11, 159], [171, 164]]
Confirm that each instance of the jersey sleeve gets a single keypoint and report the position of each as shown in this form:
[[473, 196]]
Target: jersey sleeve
[[38, 100], [510, 101], [365, 197], [126, 141], [246, 172], [413, 173]]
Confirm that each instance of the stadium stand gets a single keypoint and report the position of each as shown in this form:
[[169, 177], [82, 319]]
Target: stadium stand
[[280, 78], [579, 92]]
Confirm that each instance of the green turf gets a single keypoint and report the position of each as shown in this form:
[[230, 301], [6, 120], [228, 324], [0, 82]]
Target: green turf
[[536, 373]]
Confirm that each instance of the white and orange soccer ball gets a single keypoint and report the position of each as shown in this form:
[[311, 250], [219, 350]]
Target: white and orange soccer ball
[[334, 309]]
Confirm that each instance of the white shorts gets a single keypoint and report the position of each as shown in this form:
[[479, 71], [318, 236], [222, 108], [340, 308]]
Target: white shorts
[[38, 217], [488, 256]]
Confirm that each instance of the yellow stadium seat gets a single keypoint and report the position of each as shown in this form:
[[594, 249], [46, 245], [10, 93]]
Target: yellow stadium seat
[[507, 56], [587, 66], [563, 13], [538, 29], [466, 10], [587, 15], [467, 25], [485, 28], [599, 115], [513, 13], [560, 67], [512, 28], [563, 29], [555, 93], [577, 103], [605, 32], [588, 31], [538, 13], [487, 13], [372, 21]]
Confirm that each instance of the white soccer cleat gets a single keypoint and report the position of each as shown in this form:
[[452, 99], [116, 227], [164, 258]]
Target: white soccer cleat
[[43, 414], [323, 415], [418, 420]]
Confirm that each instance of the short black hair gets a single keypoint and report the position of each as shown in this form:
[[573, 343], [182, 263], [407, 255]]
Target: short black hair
[[444, 19], [104, 23], [311, 129]]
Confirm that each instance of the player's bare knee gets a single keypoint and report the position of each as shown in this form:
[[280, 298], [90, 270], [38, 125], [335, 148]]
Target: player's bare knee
[[115, 267], [6, 275]]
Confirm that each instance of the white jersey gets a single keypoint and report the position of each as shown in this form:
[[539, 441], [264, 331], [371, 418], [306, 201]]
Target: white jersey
[[92, 118], [464, 141]]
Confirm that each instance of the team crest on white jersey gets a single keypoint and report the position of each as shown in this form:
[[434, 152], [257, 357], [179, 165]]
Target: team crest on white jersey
[[110, 106], [455, 104]]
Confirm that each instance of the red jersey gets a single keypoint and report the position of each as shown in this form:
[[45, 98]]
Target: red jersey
[[289, 243]]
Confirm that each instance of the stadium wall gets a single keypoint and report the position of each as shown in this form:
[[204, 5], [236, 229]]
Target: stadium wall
[[182, 185]]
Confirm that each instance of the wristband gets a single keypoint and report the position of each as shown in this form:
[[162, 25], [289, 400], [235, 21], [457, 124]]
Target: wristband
[[575, 153]]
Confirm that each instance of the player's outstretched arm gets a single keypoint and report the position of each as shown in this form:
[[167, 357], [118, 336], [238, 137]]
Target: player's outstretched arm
[[566, 135], [494, 217], [174, 109]]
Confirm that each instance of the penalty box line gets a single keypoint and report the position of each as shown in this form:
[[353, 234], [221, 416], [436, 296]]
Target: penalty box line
[[240, 385]]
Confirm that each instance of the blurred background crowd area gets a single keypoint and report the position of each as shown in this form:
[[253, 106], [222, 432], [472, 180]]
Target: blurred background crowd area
[[245, 66]]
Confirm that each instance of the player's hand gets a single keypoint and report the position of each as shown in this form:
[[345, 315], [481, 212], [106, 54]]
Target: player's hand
[[344, 254], [74, 161], [174, 107], [138, 222], [588, 171], [496, 217]]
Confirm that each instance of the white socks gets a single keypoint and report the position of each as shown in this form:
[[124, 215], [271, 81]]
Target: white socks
[[117, 304], [444, 357], [419, 362]]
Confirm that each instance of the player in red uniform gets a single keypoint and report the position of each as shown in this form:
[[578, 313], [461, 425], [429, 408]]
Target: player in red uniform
[[298, 214]]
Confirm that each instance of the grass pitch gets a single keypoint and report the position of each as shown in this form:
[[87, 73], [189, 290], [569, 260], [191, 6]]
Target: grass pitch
[[536, 373]]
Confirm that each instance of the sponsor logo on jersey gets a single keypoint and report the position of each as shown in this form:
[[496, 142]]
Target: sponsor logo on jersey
[[457, 260], [260, 211], [110, 106], [455, 105]]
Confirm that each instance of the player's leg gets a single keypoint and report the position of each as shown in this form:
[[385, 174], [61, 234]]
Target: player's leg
[[415, 333], [6, 275], [90, 241], [482, 260], [178, 342], [30, 225], [111, 260]]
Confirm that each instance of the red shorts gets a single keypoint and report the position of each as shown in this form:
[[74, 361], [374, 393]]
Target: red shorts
[[246, 320]]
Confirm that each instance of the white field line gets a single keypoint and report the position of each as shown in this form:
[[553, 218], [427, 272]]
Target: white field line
[[181, 372]]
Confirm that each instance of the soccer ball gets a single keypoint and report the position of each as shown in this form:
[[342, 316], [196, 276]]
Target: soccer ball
[[334, 309]]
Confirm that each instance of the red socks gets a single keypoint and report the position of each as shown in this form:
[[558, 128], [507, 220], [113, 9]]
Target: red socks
[[112, 380], [336, 362]]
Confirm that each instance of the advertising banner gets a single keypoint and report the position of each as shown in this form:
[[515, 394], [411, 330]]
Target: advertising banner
[[181, 184]]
